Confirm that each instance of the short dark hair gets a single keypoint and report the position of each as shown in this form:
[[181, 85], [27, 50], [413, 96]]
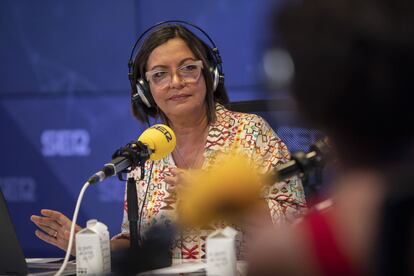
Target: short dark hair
[[199, 48], [354, 65]]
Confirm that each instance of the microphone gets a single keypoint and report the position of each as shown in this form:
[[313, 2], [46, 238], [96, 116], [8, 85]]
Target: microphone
[[301, 162], [154, 143]]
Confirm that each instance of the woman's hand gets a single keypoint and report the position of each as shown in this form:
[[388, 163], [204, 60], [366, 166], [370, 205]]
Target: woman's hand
[[175, 177], [179, 179], [55, 228]]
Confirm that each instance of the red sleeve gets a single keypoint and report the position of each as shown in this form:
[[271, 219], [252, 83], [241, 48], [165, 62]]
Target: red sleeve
[[330, 257]]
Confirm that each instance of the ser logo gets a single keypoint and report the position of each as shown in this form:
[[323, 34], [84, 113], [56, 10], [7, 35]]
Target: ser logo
[[164, 131], [65, 142]]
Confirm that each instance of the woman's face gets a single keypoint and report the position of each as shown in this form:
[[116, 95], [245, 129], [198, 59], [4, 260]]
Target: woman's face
[[179, 98]]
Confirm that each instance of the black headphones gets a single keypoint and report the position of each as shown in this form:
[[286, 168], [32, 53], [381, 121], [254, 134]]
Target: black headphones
[[141, 92]]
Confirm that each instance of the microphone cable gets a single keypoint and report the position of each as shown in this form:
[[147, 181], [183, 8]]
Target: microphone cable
[[143, 201], [72, 228]]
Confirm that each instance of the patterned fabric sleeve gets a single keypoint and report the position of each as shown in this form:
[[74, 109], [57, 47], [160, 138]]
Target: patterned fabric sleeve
[[286, 199]]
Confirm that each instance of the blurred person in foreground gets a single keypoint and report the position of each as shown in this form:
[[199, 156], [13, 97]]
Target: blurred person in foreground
[[178, 70], [354, 63]]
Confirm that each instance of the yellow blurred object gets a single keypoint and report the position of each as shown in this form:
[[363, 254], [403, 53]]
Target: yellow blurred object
[[225, 191]]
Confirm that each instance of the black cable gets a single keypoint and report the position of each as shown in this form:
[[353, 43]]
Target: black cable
[[143, 201]]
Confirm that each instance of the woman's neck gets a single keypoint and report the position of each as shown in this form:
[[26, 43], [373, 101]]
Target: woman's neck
[[190, 129], [191, 138], [190, 126]]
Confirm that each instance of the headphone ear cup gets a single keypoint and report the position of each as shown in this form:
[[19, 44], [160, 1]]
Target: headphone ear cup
[[144, 93], [216, 77]]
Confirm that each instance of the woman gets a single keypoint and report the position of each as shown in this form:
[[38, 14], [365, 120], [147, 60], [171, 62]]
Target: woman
[[174, 77]]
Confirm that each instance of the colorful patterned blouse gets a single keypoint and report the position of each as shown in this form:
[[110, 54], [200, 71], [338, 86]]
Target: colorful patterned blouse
[[254, 137]]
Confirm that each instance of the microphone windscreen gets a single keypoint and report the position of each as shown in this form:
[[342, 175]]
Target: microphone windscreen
[[230, 187], [160, 139]]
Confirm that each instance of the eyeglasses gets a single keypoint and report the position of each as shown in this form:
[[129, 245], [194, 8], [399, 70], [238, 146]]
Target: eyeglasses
[[189, 73]]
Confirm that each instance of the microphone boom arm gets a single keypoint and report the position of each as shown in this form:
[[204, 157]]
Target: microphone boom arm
[[301, 163]]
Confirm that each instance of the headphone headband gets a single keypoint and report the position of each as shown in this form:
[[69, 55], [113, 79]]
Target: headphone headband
[[214, 48]]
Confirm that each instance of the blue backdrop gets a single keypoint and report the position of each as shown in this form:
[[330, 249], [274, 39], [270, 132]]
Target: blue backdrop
[[64, 95]]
